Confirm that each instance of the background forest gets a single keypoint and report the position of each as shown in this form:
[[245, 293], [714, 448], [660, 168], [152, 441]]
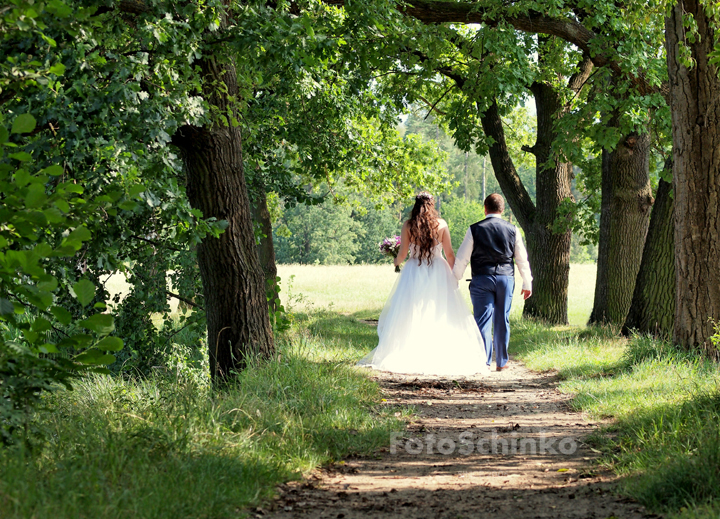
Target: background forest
[[349, 231]]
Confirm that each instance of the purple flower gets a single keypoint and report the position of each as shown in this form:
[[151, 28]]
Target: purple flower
[[390, 246]]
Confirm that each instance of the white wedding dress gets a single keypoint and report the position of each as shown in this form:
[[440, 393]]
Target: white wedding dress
[[426, 328]]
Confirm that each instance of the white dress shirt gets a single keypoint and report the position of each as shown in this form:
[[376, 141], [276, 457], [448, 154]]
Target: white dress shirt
[[462, 258]]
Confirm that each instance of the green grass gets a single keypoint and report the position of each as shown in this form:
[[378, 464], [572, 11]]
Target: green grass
[[362, 289], [168, 448], [665, 437], [164, 448]]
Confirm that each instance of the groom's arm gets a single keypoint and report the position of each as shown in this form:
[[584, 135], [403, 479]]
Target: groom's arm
[[521, 260], [462, 258]]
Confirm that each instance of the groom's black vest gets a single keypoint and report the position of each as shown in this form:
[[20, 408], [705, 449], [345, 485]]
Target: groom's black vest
[[493, 247]]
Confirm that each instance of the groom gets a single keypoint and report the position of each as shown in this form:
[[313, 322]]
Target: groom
[[490, 246]]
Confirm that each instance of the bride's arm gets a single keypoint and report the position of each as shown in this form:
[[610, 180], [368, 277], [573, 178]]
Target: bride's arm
[[447, 246], [404, 245]]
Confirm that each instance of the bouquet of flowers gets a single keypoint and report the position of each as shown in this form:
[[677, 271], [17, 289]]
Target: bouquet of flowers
[[391, 247]]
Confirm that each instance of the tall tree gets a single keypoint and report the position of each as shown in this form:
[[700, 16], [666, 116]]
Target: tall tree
[[694, 94], [233, 280], [653, 304], [549, 251], [637, 68], [624, 219]]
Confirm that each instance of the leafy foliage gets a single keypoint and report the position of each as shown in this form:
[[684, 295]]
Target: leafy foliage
[[460, 215], [322, 234], [172, 448], [43, 342]]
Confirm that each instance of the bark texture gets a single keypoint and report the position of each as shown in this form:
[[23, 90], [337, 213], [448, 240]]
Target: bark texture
[[652, 310], [624, 220], [233, 282], [266, 247], [549, 252], [695, 109]]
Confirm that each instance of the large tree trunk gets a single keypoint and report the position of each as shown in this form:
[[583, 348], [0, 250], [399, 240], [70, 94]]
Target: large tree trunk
[[265, 247], [549, 253], [624, 219], [695, 110], [653, 305], [233, 282]]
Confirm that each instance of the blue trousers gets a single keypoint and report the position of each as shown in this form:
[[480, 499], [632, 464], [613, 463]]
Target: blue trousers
[[491, 298]]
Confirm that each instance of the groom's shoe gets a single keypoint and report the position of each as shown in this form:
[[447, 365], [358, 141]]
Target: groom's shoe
[[503, 368]]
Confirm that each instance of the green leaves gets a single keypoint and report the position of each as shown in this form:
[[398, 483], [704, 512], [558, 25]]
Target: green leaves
[[94, 357], [84, 291], [110, 344], [62, 315], [54, 171], [43, 216], [101, 324], [23, 123], [58, 69], [35, 195], [79, 234], [59, 9], [6, 307]]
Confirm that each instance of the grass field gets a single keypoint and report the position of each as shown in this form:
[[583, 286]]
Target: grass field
[[361, 290], [164, 447], [665, 406]]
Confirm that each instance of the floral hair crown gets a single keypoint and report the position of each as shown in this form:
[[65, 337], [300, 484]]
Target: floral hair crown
[[424, 195]]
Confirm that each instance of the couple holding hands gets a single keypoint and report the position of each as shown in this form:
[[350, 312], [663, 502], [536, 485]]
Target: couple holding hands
[[425, 327]]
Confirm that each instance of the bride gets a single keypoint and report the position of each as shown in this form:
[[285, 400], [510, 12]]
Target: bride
[[426, 328]]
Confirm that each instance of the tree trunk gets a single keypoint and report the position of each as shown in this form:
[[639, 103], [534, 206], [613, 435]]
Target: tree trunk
[[653, 305], [265, 247], [233, 282], [624, 219], [695, 113], [549, 253]]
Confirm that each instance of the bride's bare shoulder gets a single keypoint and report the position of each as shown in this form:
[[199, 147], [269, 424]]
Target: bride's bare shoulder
[[442, 224]]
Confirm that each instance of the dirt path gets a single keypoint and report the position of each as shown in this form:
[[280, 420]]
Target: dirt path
[[497, 411]]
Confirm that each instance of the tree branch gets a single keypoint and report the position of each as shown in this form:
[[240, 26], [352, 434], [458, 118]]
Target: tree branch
[[438, 100], [186, 301], [431, 108], [504, 168], [572, 31], [510, 182], [156, 244], [585, 70]]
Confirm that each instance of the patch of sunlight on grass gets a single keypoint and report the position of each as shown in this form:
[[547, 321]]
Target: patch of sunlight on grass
[[594, 352], [643, 387], [581, 292]]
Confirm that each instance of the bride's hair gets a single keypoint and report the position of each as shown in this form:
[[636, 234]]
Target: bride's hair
[[422, 226]]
